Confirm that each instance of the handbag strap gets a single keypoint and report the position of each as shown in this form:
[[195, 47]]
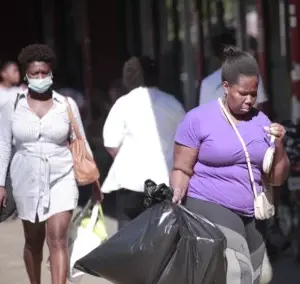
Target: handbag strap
[[73, 121], [243, 145]]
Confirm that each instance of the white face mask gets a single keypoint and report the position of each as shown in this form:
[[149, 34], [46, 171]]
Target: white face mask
[[40, 85], [269, 157]]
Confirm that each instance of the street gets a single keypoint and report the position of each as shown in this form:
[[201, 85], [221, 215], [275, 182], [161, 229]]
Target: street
[[12, 269]]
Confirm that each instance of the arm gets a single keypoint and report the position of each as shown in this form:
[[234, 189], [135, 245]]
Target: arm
[[77, 117], [281, 166], [113, 131], [184, 162], [187, 143], [5, 141]]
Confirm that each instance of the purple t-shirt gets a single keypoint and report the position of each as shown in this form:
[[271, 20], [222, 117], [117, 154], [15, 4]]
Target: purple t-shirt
[[221, 175]]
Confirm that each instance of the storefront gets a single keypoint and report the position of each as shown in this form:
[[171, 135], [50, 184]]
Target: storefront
[[261, 28], [177, 33], [93, 40]]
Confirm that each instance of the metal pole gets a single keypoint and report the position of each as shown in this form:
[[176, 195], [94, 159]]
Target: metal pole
[[200, 53], [262, 60], [241, 24], [189, 80], [86, 55], [294, 19]]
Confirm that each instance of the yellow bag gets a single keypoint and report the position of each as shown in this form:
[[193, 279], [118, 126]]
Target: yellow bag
[[86, 233]]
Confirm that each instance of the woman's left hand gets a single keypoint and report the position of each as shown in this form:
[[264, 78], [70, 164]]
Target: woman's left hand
[[277, 130], [97, 194]]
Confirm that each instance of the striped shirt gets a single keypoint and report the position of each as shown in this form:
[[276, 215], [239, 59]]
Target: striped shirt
[[42, 159]]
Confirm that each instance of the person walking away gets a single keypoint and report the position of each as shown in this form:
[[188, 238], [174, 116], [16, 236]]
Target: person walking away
[[210, 173], [42, 175], [139, 133], [211, 86]]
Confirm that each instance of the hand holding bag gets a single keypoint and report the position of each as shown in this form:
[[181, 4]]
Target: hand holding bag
[[263, 202], [85, 168]]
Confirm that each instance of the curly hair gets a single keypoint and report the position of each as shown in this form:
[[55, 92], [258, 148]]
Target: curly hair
[[36, 52], [139, 72]]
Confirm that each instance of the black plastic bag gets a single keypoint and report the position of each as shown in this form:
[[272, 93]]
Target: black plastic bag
[[166, 244]]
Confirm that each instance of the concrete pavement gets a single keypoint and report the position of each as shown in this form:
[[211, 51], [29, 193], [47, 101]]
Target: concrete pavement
[[12, 270]]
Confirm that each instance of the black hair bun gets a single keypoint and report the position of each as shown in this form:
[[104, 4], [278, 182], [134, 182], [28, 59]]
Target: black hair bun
[[231, 51]]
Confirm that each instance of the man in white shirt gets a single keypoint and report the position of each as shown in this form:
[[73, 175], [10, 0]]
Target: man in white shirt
[[211, 86], [139, 135]]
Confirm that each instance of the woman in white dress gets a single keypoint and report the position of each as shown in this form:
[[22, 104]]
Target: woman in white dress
[[44, 187]]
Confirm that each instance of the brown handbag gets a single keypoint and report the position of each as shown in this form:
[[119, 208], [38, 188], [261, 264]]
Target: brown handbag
[[85, 168]]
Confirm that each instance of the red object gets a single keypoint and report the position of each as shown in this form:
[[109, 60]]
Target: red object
[[200, 52]]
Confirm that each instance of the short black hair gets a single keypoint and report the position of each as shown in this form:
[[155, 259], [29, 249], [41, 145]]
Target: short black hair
[[6, 63], [36, 52], [140, 71], [220, 41], [237, 63]]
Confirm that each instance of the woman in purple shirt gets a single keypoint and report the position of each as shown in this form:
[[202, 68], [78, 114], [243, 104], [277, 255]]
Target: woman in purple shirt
[[210, 165]]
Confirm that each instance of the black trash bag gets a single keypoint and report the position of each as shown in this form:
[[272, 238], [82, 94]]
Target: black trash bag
[[166, 244], [156, 193]]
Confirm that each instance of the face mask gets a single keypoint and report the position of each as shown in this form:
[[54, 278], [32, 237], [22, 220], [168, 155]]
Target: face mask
[[269, 157], [40, 85]]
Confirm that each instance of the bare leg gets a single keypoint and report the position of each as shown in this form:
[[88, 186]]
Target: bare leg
[[33, 250], [57, 240]]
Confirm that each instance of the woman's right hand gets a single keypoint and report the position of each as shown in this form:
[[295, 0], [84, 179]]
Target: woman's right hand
[[178, 196], [3, 197], [183, 168]]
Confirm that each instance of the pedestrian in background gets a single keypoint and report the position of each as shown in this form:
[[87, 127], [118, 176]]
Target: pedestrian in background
[[9, 80], [138, 134]]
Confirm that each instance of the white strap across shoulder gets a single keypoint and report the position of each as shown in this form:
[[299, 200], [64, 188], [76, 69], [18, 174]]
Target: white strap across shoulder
[[243, 144]]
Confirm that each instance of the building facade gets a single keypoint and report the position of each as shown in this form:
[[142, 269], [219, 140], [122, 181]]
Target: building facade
[[92, 40]]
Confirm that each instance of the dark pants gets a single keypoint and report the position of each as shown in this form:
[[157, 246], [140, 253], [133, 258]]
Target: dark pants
[[245, 245], [129, 205]]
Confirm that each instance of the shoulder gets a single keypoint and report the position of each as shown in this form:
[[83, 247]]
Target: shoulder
[[14, 98], [200, 116], [205, 110], [260, 118], [66, 101], [122, 103], [171, 102], [213, 79]]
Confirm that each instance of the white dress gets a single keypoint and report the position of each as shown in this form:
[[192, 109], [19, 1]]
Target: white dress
[[41, 169]]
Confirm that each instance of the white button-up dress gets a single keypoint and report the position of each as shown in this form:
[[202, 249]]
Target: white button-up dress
[[41, 169]]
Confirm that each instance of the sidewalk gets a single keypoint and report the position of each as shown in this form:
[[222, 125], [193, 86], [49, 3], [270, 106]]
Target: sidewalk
[[12, 270]]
